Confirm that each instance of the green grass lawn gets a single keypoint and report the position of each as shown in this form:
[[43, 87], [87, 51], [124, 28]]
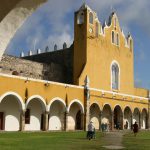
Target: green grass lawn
[[140, 142], [48, 141], [67, 141]]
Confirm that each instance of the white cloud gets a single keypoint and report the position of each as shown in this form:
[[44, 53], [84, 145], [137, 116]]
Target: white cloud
[[54, 14]]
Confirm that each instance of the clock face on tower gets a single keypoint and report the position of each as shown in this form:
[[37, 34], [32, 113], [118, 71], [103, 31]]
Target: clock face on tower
[[90, 30]]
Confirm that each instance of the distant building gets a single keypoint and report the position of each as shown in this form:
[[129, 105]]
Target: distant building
[[93, 80]]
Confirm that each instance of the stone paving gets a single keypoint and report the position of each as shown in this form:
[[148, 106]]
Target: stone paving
[[113, 140]]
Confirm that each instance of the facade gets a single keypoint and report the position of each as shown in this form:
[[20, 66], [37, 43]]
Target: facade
[[101, 85]]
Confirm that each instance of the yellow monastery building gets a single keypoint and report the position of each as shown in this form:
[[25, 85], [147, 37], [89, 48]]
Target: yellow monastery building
[[101, 88]]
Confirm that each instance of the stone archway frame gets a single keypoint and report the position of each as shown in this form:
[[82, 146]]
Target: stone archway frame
[[108, 105], [127, 106], [39, 98], [129, 120], [139, 110], [14, 18], [19, 98], [122, 113], [96, 104], [56, 123], [146, 121], [111, 114], [97, 115], [78, 102], [54, 100]]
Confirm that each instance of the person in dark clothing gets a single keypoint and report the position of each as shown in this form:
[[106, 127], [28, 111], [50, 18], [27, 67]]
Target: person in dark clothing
[[135, 128]]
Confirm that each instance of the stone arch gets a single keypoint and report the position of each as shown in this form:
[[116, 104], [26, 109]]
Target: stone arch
[[76, 101], [75, 115], [57, 110], [19, 98], [136, 115], [12, 17], [118, 117], [39, 98], [95, 115], [53, 100], [11, 106], [107, 115], [127, 117], [144, 116], [36, 106]]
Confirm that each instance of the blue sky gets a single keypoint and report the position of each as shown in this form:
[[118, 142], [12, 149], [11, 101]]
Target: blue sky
[[52, 24]]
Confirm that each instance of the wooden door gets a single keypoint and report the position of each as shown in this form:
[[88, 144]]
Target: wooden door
[[1, 120]]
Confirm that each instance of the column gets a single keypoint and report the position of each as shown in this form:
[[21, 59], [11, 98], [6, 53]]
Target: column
[[147, 121], [87, 115], [100, 120], [66, 121], [82, 119], [87, 102], [131, 121], [46, 121], [22, 120], [112, 120], [140, 120], [122, 122]]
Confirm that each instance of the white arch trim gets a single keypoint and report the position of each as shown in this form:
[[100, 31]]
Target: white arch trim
[[143, 110], [137, 109], [107, 104], [53, 100], [76, 101], [115, 62], [37, 97], [96, 104], [119, 106], [16, 95], [128, 107]]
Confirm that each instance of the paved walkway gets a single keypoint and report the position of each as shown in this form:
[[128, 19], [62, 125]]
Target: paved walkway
[[113, 140]]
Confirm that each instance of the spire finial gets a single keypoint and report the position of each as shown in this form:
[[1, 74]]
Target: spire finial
[[112, 9]]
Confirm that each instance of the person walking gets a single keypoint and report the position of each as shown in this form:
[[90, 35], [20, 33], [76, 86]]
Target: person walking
[[91, 131], [135, 128]]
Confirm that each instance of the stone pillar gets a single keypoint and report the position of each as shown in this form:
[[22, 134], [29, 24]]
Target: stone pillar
[[87, 103], [140, 120], [87, 115], [66, 121], [122, 123], [82, 119], [22, 120], [147, 122], [131, 121], [100, 120], [46, 114], [112, 120]]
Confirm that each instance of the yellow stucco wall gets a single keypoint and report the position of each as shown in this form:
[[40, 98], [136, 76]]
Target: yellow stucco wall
[[141, 92], [68, 93], [121, 100], [37, 87], [95, 55]]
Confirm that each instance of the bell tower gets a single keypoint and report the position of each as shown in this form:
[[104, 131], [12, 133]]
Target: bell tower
[[83, 26]]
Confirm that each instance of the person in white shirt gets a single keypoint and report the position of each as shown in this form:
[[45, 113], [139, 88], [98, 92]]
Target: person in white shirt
[[91, 131]]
